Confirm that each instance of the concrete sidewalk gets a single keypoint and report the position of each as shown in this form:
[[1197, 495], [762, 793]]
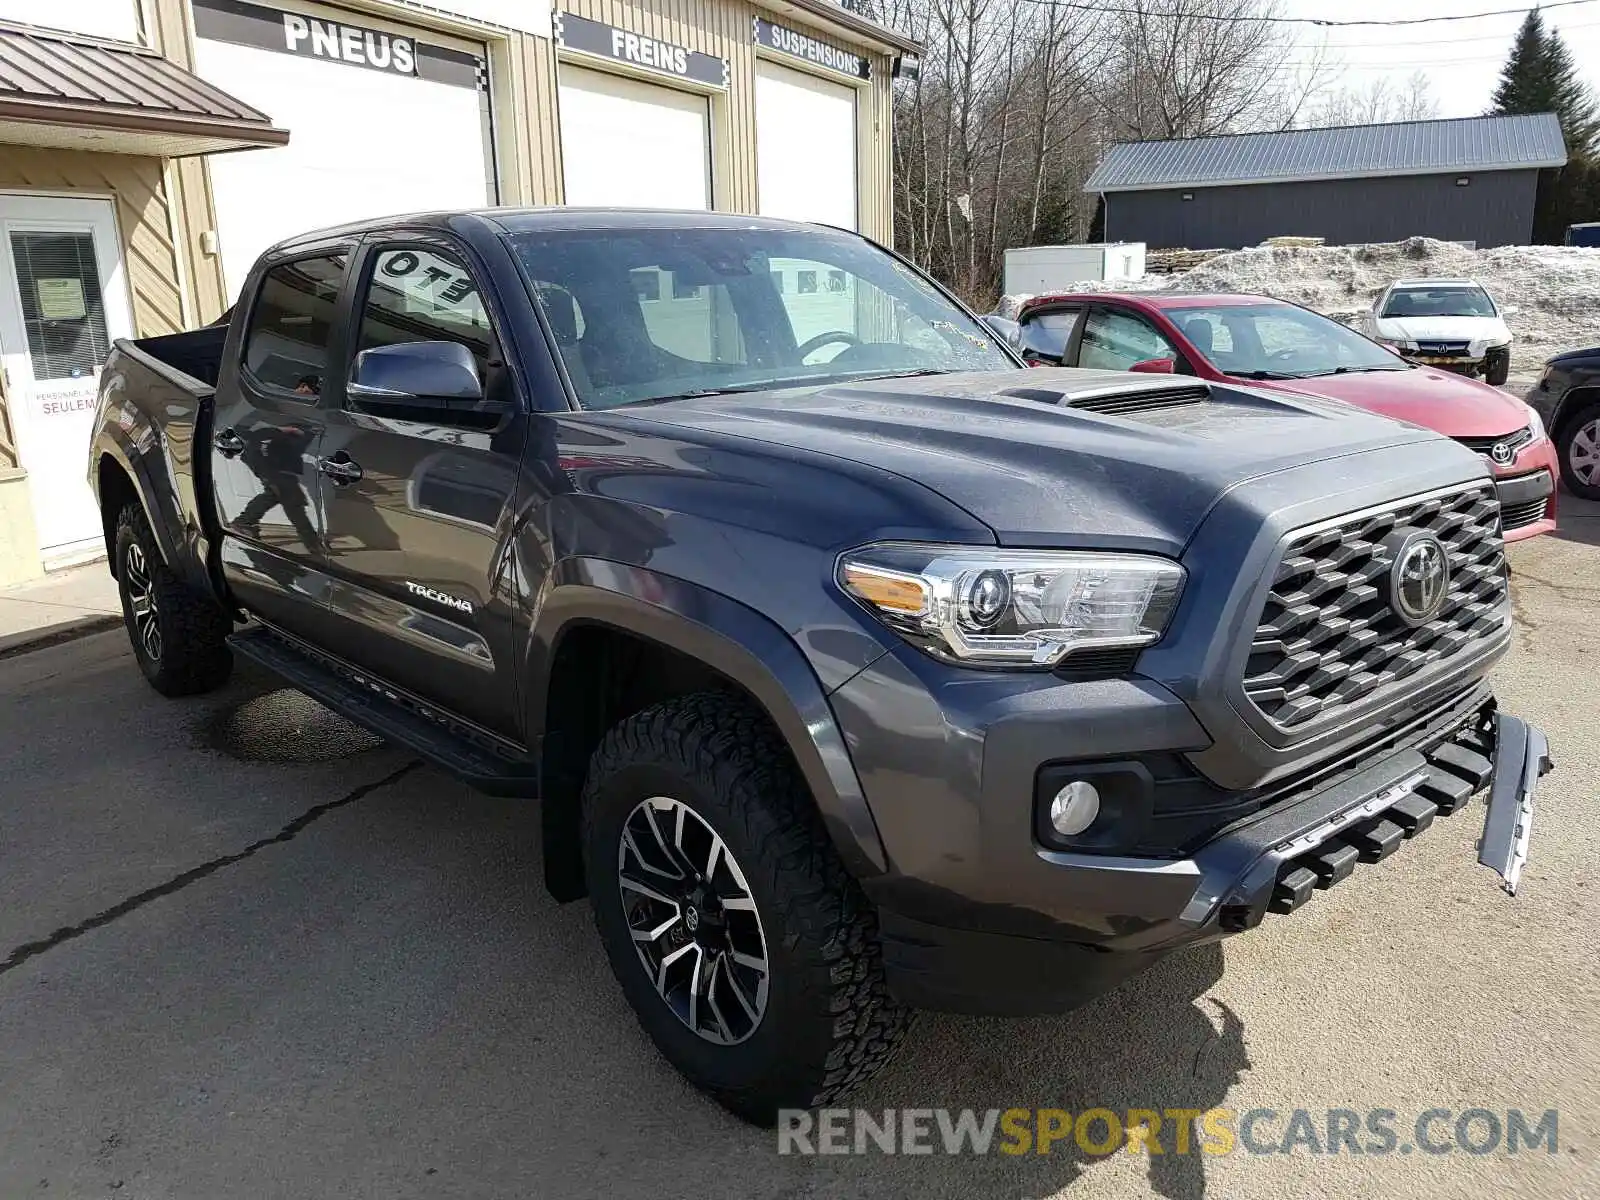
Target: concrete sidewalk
[[62, 604]]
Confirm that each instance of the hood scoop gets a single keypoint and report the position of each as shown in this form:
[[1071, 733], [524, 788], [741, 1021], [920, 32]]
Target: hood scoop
[[1117, 402]]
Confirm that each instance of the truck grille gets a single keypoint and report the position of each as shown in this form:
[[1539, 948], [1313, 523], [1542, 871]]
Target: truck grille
[[1328, 637]]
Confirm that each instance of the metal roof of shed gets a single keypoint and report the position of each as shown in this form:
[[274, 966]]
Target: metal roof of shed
[[1347, 152], [60, 89]]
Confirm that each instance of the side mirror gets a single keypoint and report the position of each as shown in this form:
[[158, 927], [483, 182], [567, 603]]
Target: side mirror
[[1007, 330], [1155, 366], [417, 377], [1509, 310]]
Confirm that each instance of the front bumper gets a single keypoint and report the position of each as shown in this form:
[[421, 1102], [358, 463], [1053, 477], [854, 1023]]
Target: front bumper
[[1527, 492], [1269, 864]]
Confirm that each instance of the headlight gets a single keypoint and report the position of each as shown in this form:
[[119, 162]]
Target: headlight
[[1535, 422], [1400, 344], [1478, 348], [1027, 607]]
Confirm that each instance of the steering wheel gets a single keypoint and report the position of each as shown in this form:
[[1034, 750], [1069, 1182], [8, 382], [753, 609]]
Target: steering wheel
[[811, 345], [1284, 356]]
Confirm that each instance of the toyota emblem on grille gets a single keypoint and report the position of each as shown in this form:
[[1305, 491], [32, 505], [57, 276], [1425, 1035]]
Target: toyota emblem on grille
[[1502, 453], [1419, 579]]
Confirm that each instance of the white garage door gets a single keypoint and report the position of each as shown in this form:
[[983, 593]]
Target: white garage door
[[805, 147], [378, 122], [627, 143]]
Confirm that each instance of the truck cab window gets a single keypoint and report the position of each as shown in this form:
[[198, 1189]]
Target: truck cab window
[[286, 345], [424, 294]]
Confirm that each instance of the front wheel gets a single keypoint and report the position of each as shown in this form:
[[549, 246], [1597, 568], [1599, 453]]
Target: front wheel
[[1578, 448], [1497, 366], [747, 951], [179, 636]]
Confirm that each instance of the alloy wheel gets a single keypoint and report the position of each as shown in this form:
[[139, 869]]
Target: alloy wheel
[[142, 602], [1583, 454], [694, 920]]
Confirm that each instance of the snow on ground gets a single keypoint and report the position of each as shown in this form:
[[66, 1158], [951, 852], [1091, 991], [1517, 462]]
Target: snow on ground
[[1556, 289]]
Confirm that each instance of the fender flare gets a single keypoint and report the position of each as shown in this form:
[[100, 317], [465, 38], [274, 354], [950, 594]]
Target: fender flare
[[734, 640], [112, 443]]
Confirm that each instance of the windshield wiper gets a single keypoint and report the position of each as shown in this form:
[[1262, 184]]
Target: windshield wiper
[[1349, 371], [1266, 375]]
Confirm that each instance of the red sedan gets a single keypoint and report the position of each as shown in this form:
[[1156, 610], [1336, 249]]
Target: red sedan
[[1271, 344]]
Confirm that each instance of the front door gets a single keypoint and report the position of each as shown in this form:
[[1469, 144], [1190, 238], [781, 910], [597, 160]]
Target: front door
[[63, 299], [418, 511]]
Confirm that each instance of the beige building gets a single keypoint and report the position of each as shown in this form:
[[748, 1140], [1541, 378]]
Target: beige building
[[152, 150]]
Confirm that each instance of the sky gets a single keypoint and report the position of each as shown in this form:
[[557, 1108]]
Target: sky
[[1461, 59]]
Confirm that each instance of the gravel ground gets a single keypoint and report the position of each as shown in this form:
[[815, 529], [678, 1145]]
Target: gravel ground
[[245, 952]]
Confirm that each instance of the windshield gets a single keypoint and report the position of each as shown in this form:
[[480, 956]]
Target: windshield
[[1278, 341], [650, 314], [1453, 300]]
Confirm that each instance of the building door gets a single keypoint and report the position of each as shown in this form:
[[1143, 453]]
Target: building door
[[627, 143], [805, 147], [381, 120], [63, 299]]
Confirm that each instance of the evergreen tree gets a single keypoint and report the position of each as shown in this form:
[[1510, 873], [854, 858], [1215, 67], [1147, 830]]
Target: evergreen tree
[[1539, 76], [1522, 79]]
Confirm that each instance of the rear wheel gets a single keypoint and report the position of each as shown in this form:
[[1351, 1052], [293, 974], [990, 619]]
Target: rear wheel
[[1578, 447], [179, 636], [747, 951]]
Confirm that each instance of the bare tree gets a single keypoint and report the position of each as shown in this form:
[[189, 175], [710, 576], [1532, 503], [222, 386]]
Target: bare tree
[[1016, 100], [1378, 102]]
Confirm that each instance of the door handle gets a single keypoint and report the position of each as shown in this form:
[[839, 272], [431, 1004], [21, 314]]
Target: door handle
[[228, 443], [340, 468]]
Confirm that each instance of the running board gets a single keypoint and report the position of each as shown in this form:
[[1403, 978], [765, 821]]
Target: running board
[[441, 739]]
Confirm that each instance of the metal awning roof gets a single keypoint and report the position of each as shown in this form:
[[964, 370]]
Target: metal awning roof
[[1350, 152], [63, 90]]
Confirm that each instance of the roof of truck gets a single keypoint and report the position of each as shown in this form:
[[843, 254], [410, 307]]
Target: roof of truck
[[525, 220]]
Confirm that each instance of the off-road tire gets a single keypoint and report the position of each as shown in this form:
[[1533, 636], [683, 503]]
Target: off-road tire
[[193, 654], [830, 1021], [1497, 367], [1589, 415]]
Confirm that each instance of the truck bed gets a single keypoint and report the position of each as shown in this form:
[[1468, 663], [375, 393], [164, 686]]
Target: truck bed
[[196, 353]]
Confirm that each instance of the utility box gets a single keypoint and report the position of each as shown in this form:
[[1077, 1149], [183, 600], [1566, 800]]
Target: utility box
[[1035, 269]]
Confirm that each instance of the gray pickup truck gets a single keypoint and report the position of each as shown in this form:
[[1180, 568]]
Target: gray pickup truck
[[855, 667]]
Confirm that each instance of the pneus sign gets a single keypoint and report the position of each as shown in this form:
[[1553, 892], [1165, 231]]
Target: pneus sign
[[305, 36], [637, 50], [804, 46]]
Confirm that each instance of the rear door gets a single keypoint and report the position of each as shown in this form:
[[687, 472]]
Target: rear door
[[419, 511], [266, 433]]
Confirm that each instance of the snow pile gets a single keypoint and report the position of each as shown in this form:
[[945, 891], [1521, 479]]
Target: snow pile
[[1556, 289]]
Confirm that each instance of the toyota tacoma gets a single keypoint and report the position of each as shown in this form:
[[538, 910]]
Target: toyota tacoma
[[855, 667]]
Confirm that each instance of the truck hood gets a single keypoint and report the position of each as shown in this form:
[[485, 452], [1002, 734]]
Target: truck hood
[[1026, 453], [1439, 400], [1491, 331]]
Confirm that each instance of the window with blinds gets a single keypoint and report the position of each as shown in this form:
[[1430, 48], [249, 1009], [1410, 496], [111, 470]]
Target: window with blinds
[[62, 307]]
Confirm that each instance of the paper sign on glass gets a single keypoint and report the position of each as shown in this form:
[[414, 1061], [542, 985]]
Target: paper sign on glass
[[61, 299]]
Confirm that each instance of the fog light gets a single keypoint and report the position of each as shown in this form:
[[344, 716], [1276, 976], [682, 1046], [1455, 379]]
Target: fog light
[[1074, 808]]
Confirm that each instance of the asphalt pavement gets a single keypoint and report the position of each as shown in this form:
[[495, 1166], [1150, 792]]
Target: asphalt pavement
[[246, 951]]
